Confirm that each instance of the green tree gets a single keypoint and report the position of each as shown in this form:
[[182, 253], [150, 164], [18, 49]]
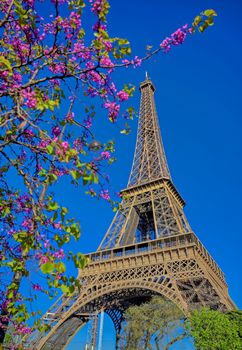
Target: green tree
[[236, 316], [213, 330], [152, 322]]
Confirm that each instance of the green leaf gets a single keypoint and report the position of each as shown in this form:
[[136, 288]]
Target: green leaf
[[42, 172], [210, 21], [5, 64], [60, 267], [79, 260], [63, 213], [67, 289], [47, 267], [52, 206], [126, 131], [50, 149], [197, 20], [203, 27], [210, 12], [75, 174], [5, 211], [123, 41], [51, 178]]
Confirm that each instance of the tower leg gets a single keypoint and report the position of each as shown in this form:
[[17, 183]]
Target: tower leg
[[94, 331]]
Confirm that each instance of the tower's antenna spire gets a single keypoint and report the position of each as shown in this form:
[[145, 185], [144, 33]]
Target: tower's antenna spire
[[149, 162], [146, 75]]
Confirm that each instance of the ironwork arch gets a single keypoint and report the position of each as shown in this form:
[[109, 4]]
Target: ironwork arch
[[63, 330]]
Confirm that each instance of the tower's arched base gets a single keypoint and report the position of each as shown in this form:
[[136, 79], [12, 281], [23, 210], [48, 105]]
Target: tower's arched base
[[178, 268]]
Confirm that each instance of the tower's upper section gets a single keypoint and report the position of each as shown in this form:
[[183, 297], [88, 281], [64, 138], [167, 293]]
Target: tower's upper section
[[149, 159]]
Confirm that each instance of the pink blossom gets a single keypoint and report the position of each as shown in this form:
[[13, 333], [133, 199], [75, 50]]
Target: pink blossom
[[90, 64], [108, 45], [17, 77], [177, 38], [79, 49], [47, 243], [113, 110], [122, 95], [36, 287], [96, 77], [88, 122], [30, 97], [106, 62], [43, 258], [44, 143], [75, 18], [97, 6], [65, 145], [30, 2], [28, 224], [57, 225], [126, 62], [99, 26], [23, 329], [56, 131], [136, 62], [29, 134], [105, 195], [105, 155], [57, 68], [59, 254], [70, 116]]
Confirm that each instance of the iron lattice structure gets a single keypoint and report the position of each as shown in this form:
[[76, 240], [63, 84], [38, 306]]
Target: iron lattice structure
[[149, 249]]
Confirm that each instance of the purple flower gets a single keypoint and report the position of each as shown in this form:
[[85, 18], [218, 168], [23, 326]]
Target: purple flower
[[59, 254], [122, 95], [113, 110], [56, 131], [29, 95], [36, 287], [105, 155], [105, 195]]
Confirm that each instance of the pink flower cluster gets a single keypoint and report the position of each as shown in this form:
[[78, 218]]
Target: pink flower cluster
[[113, 110], [57, 68], [23, 329], [70, 116], [97, 6], [81, 51], [106, 62], [105, 195], [57, 225], [176, 38], [56, 131], [122, 95], [36, 287], [28, 134], [42, 258], [75, 19], [30, 97], [28, 224], [136, 62], [87, 122], [59, 254], [105, 155]]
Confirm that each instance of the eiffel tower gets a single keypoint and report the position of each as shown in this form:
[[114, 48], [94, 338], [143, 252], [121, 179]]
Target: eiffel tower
[[149, 249]]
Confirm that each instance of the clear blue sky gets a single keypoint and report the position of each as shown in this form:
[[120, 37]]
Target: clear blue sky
[[198, 99]]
